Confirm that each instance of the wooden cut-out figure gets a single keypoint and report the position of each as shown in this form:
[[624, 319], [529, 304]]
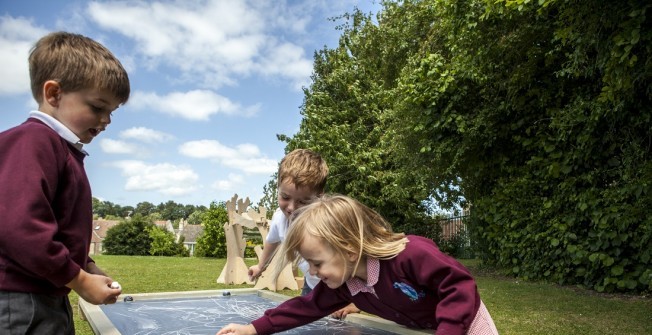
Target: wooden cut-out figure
[[235, 270]]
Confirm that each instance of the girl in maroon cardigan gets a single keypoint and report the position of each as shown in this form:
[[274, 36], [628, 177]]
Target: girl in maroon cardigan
[[352, 249]]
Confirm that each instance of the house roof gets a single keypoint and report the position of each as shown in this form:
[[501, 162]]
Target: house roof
[[191, 232], [100, 228], [161, 223]]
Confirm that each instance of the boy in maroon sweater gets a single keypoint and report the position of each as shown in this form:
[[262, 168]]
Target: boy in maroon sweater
[[46, 214]]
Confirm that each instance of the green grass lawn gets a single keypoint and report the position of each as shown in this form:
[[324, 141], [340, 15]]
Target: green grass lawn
[[517, 307]]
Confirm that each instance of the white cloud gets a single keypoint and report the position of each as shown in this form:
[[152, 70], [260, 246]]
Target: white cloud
[[230, 184], [287, 60], [110, 146], [244, 157], [248, 149], [253, 165], [213, 42], [146, 135], [196, 105], [17, 36], [207, 149], [165, 178]]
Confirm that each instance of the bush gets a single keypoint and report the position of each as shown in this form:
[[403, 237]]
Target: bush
[[164, 244], [212, 241], [129, 237], [457, 246]]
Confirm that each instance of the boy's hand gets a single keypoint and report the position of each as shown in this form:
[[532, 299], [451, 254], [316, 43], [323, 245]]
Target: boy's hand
[[254, 272], [92, 268], [95, 289], [237, 329]]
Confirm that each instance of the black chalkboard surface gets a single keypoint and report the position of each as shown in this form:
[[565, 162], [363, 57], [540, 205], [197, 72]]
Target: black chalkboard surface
[[206, 315]]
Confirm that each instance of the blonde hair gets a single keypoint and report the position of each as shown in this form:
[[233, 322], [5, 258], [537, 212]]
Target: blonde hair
[[76, 62], [346, 226], [303, 167]]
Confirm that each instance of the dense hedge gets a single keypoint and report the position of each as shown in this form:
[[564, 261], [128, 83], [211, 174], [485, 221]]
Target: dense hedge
[[537, 114]]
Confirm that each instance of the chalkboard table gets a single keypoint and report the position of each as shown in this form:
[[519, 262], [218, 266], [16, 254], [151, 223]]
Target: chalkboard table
[[205, 312]]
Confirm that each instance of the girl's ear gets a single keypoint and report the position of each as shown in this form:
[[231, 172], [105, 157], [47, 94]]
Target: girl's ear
[[351, 257], [51, 93]]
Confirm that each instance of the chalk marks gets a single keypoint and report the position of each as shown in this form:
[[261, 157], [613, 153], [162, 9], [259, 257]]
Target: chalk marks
[[200, 316]]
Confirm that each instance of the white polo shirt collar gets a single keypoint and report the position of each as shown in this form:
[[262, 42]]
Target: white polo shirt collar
[[60, 128]]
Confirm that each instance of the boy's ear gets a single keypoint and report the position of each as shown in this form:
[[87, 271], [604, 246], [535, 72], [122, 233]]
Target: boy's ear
[[52, 93]]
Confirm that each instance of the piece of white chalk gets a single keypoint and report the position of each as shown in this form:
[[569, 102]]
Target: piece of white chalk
[[115, 284]]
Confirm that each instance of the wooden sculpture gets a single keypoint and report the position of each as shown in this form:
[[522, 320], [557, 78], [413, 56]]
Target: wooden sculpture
[[236, 271]]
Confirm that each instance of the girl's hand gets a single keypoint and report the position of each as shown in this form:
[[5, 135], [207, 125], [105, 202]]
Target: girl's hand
[[237, 329], [342, 313]]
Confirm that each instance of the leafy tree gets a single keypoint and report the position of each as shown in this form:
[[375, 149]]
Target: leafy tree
[[96, 207], [344, 120], [155, 216], [195, 217], [144, 208], [171, 211], [106, 208], [537, 114], [269, 200], [164, 244], [127, 211], [541, 130], [212, 241], [189, 209], [129, 237]]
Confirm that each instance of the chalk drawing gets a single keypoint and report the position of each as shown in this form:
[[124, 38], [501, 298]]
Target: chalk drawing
[[200, 316]]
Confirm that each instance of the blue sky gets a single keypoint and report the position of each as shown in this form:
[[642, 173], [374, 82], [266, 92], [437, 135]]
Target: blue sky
[[213, 82]]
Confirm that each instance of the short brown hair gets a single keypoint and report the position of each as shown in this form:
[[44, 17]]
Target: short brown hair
[[304, 167], [76, 62]]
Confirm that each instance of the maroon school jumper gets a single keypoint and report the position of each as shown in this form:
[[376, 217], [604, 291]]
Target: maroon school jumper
[[420, 288], [46, 211]]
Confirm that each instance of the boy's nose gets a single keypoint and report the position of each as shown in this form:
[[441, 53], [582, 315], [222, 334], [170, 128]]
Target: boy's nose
[[292, 206], [106, 119]]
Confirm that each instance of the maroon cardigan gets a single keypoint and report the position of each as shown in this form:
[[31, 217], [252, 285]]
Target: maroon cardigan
[[420, 288], [46, 211]]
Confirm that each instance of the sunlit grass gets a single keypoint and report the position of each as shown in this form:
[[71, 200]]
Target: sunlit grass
[[517, 307]]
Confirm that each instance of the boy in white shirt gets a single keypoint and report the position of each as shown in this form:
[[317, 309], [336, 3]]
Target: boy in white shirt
[[302, 177]]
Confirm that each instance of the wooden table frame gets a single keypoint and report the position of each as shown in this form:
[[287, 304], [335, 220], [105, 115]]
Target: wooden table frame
[[101, 324]]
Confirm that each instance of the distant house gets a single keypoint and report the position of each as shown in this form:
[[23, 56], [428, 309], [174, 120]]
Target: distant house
[[165, 225], [100, 227], [189, 233]]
